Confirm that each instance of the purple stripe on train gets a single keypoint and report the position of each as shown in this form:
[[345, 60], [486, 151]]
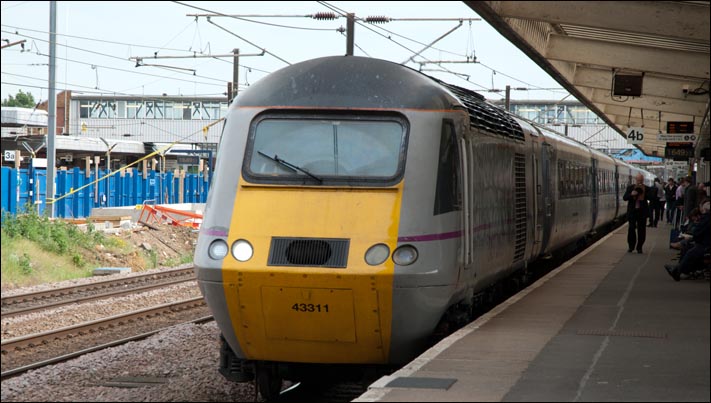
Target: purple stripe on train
[[442, 236], [430, 237], [214, 232]]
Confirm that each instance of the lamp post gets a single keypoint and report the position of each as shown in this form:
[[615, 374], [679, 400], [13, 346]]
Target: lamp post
[[108, 167]]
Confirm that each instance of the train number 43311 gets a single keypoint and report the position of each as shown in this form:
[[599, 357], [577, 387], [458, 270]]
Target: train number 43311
[[310, 307]]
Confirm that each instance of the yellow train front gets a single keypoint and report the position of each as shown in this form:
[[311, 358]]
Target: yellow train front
[[303, 229]]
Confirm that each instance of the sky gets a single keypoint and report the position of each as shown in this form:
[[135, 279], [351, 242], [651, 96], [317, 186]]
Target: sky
[[96, 40]]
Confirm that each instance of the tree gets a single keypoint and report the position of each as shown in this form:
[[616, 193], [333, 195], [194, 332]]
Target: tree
[[22, 100]]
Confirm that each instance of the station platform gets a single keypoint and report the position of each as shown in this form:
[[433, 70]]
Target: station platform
[[607, 325]]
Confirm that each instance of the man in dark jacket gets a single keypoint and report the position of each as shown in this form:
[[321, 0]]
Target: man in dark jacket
[[701, 236], [670, 196], [637, 197], [690, 196]]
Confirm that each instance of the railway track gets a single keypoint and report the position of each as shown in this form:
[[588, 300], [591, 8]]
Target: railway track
[[36, 301], [23, 353]]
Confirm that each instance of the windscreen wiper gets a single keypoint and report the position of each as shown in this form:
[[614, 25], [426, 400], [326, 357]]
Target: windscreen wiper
[[289, 165]]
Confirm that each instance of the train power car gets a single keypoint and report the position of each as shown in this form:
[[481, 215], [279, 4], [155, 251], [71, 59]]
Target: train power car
[[357, 205]]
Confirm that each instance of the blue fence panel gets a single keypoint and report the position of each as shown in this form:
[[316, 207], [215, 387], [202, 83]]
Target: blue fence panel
[[24, 189], [5, 193], [26, 186]]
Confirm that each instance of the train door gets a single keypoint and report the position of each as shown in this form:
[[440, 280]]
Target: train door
[[594, 188], [547, 151], [617, 191], [538, 208], [466, 192]]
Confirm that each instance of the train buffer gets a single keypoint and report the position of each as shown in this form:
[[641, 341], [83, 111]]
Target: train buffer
[[153, 215]]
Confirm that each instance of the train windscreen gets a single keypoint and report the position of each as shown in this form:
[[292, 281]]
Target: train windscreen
[[326, 149]]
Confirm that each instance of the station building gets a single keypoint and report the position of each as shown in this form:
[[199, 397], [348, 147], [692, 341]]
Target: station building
[[119, 128], [572, 119]]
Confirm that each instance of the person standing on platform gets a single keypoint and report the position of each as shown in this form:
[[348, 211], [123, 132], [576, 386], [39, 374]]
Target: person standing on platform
[[670, 196], [661, 201], [690, 197], [679, 204], [637, 197], [654, 203]]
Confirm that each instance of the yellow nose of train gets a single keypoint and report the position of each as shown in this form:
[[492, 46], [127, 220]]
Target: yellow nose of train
[[306, 292]]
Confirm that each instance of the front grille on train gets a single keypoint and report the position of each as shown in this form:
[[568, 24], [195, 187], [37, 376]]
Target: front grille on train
[[309, 252]]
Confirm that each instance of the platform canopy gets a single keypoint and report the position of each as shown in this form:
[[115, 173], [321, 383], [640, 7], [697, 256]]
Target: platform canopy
[[637, 64]]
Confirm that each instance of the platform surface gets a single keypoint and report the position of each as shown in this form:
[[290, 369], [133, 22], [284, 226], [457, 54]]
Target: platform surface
[[607, 325]]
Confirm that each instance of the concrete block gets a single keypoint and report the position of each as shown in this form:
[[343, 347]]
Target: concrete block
[[105, 271]]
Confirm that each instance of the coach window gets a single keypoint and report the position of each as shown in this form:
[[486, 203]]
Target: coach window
[[448, 194]]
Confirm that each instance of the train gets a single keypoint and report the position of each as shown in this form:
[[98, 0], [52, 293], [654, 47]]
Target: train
[[357, 205]]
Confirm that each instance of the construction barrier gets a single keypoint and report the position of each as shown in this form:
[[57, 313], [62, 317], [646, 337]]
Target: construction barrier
[[27, 186]]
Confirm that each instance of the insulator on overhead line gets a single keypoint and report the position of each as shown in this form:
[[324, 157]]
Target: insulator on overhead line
[[324, 15], [377, 19]]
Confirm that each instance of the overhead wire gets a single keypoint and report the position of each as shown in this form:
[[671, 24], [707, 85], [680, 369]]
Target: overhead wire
[[441, 50], [15, 5], [228, 31], [45, 88], [342, 12], [109, 56], [61, 82], [98, 40], [129, 71], [356, 45], [177, 35]]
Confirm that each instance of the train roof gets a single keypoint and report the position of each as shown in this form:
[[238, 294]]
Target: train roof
[[347, 82], [352, 82]]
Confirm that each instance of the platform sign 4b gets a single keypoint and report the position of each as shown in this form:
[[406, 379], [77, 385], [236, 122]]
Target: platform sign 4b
[[635, 135]]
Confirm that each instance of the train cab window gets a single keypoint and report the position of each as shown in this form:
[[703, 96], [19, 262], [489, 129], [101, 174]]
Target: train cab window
[[326, 150], [448, 193]]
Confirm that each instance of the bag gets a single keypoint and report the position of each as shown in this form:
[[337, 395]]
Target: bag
[[676, 224], [673, 236]]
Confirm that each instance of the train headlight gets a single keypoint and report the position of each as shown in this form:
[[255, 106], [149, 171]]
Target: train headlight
[[218, 249], [242, 250], [405, 255], [377, 254]]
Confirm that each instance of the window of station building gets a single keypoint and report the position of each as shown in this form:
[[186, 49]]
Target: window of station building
[[150, 110], [530, 112], [85, 108], [580, 115], [135, 110], [192, 111], [168, 110], [211, 110], [179, 109], [102, 109], [121, 109], [159, 109]]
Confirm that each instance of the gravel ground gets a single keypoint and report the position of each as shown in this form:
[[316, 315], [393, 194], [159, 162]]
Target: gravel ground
[[35, 322], [185, 357]]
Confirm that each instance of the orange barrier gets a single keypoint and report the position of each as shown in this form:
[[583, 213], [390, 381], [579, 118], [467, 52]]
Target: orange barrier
[[151, 215]]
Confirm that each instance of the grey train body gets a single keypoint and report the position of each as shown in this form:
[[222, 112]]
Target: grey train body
[[485, 192]]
